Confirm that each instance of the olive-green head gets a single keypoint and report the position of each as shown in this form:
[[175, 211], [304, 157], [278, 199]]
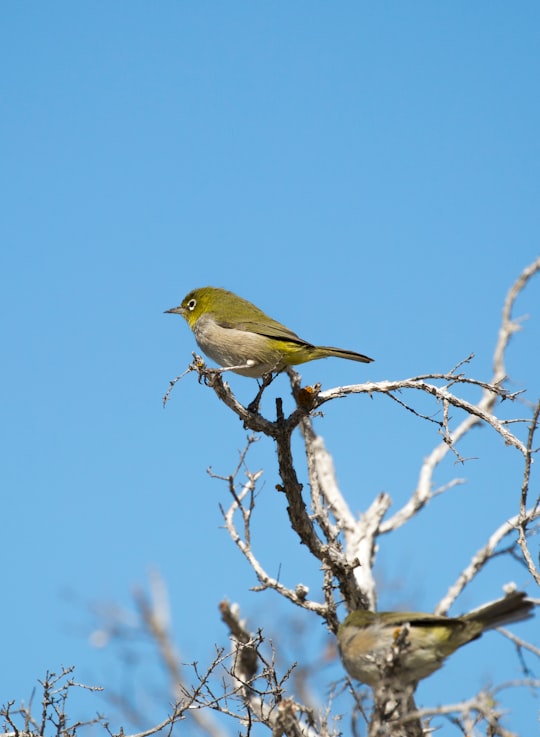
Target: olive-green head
[[205, 300]]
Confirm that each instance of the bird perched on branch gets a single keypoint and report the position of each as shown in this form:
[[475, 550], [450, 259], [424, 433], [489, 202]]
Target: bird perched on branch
[[375, 646], [242, 338]]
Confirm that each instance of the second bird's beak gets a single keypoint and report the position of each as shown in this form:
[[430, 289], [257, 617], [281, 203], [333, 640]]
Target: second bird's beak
[[175, 310]]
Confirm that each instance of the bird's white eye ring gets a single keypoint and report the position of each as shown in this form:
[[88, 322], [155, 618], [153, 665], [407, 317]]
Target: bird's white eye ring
[[191, 304]]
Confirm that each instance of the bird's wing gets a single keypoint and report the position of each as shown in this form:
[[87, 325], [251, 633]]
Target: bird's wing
[[419, 619], [269, 328]]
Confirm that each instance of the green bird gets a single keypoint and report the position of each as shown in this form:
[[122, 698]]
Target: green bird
[[422, 641], [242, 338]]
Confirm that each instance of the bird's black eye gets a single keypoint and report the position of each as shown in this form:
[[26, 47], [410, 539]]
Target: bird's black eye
[[191, 304]]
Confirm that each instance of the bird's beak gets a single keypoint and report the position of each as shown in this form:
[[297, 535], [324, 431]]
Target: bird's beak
[[175, 311]]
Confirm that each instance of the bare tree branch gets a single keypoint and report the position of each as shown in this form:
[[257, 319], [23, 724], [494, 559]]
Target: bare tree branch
[[479, 560], [526, 516]]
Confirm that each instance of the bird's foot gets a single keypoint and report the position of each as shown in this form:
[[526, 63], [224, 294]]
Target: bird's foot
[[266, 380]]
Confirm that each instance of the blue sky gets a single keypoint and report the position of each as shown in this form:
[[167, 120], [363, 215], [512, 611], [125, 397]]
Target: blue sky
[[367, 174]]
